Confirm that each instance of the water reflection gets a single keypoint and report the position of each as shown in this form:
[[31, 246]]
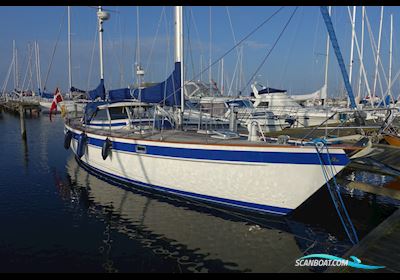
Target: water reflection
[[195, 237], [378, 188], [25, 152]]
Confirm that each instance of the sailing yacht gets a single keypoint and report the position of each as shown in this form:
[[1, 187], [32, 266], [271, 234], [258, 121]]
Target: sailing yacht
[[76, 99], [218, 167]]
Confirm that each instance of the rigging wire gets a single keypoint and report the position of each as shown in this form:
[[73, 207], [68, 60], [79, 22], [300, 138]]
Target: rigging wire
[[189, 49], [242, 40], [28, 65], [113, 48], [110, 44], [394, 54], [30, 82], [123, 47], [270, 51], [374, 50], [232, 48], [92, 58], [155, 39], [285, 65], [137, 61], [237, 50], [210, 54], [314, 53], [5, 83], [54, 49], [198, 38], [231, 26], [119, 59], [167, 64]]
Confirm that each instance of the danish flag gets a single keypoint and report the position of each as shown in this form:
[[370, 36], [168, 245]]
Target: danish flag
[[57, 99]]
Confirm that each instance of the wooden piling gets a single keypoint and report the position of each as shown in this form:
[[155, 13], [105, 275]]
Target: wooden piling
[[22, 121]]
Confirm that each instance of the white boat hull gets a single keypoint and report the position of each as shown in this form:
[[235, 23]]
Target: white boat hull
[[307, 117], [69, 105], [193, 170]]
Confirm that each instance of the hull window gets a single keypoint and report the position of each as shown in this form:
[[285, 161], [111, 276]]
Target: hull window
[[140, 149]]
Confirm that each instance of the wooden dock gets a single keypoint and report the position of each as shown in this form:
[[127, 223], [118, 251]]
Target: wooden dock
[[21, 107], [16, 105], [2, 102], [380, 247]]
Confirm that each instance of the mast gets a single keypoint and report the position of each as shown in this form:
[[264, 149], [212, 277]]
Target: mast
[[28, 67], [353, 30], [353, 24], [139, 69], [241, 71], [201, 67], [179, 51], [362, 65], [377, 56], [222, 76], [15, 66], [210, 49], [362, 51], [10, 68], [69, 53], [39, 69], [36, 65], [102, 16], [327, 60], [390, 58]]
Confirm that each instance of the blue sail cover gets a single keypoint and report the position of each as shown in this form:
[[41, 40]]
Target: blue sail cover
[[387, 101], [168, 91], [46, 95], [100, 91], [90, 109], [119, 94]]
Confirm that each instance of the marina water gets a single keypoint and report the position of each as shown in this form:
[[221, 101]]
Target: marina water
[[57, 216]]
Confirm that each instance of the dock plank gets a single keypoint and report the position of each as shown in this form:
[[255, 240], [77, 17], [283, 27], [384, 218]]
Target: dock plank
[[377, 248]]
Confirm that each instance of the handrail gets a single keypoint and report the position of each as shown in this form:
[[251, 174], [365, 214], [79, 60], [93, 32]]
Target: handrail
[[315, 128]]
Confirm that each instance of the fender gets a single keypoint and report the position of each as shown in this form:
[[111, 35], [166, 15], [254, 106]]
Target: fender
[[105, 151], [82, 139], [67, 139]]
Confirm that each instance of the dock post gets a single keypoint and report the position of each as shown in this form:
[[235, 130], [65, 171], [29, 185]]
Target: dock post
[[200, 119], [233, 118], [22, 121]]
